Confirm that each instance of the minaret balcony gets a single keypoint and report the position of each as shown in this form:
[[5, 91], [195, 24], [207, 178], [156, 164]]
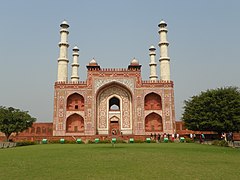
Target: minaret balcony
[[163, 43], [153, 63], [164, 59], [64, 30], [63, 44], [63, 59], [162, 30], [75, 64]]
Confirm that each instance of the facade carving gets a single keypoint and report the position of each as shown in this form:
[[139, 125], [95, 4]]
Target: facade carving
[[99, 82]]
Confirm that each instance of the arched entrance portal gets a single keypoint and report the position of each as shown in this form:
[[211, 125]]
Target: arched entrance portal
[[114, 110]]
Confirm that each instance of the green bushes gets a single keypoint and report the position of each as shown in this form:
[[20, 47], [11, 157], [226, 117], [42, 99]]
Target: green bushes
[[53, 142], [121, 141], [108, 141], [25, 143], [188, 140], [153, 141], [220, 143]]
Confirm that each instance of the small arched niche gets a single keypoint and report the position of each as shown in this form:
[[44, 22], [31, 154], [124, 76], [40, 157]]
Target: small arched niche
[[114, 104], [75, 102]]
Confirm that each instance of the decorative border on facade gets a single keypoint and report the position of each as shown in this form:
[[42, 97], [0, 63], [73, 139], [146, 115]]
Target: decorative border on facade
[[99, 82]]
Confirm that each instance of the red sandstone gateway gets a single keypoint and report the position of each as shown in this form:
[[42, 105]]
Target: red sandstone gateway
[[113, 101]]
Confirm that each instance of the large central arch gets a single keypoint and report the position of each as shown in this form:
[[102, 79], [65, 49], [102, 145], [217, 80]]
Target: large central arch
[[114, 121]]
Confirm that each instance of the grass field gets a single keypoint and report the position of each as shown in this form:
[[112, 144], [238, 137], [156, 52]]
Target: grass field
[[125, 161]]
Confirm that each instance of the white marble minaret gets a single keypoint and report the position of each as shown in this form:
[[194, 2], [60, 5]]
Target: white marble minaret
[[63, 56], [164, 59], [75, 65], [152, 64]]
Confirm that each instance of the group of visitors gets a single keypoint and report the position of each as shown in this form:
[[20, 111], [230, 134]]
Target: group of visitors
[[192, 136], [155, 136], [227, 136], [158, 137]]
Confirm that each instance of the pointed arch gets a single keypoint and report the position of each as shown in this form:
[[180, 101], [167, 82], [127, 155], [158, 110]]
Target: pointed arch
[[153, 123], [75, 102], [114, 119], [118, 95], [114, 104], [75, 123], [152, 101]]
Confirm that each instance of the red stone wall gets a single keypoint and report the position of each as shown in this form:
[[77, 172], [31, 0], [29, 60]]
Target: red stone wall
[[44, 130]]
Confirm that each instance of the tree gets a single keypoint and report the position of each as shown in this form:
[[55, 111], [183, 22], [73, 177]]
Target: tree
[[214, 110], [14, 120]]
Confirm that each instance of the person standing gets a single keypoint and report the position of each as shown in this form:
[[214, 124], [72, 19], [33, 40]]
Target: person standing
[[177, 136], [200, 138], [173, 137], [194, 137], [151, 136], [158, 137], [191, 136]]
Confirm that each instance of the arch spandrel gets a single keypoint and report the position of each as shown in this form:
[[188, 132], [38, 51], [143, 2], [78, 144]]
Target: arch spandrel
[[127, 82]]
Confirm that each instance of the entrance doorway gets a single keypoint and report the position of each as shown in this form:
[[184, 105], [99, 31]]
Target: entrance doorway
[[114, 128]]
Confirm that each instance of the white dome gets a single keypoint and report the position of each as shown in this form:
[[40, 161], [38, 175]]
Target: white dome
[[64, 23], [93, 61], [152, 48], [134, 61], [75, 48], [162, 22]]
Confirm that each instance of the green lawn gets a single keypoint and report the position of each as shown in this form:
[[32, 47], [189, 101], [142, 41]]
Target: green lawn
[[125, 161]]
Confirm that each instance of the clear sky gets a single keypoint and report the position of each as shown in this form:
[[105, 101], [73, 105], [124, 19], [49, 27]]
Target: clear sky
[[204, 48]]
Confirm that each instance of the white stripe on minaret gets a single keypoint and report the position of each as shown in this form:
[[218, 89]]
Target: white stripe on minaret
[[63, 56], [75, 65], [164, 59]]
